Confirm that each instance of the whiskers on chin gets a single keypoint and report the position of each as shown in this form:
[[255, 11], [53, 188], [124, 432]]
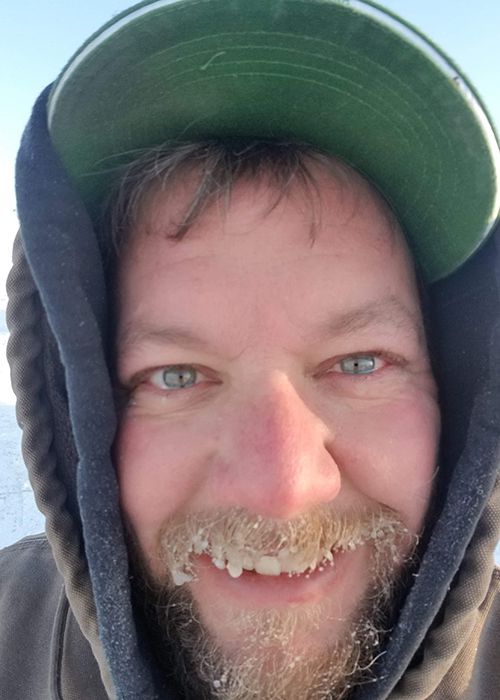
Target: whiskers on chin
[[268, 658]]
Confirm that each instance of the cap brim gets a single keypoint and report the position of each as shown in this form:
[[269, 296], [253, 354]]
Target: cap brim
[[349, 78]]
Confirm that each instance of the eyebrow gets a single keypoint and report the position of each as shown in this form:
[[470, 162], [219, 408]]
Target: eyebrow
[[172, 335], [385, 312]]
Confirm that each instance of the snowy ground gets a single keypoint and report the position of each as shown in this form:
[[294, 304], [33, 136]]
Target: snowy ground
[[18, 513]]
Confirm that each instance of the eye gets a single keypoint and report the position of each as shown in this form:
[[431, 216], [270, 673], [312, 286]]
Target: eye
[[175, 377], [359, 364]]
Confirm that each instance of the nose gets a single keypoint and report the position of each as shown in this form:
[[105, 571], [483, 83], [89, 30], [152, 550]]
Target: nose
[[276, 460]]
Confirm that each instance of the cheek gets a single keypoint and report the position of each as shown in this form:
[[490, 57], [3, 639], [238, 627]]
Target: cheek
[[158, 473], [388, 453]]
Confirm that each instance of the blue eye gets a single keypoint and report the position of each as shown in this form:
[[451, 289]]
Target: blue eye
[[175, 377], [361, 364]]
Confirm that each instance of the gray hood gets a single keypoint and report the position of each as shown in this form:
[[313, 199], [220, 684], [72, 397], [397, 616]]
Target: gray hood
[[58, 351]]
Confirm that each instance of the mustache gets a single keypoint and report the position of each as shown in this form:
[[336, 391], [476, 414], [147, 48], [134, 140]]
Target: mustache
[[237, 540]]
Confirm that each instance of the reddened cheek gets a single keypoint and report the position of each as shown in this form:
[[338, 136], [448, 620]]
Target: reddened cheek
[[160, 467], [139, 490], [388, 453]]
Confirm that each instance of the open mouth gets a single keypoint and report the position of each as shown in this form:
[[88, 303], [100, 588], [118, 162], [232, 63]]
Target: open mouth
[[285, 562], [244, 545]]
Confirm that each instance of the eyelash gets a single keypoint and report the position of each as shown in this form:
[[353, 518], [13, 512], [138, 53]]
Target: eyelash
[[201, 373], [387, 358], [331, 367], [181, 369], [145, 377]]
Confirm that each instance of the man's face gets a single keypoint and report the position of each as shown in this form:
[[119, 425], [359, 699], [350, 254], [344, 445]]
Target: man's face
[[277, 370]]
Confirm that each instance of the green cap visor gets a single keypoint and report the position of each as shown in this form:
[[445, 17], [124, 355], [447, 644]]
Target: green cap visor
[[349, 78]]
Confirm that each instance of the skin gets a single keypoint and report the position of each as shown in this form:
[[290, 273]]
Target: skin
[[269, 318]]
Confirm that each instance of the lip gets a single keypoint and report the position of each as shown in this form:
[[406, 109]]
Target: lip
[[254, 590]]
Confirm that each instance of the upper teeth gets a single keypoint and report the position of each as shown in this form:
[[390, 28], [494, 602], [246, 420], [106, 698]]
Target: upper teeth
[[236, 559], [267, 565], [257, 545]]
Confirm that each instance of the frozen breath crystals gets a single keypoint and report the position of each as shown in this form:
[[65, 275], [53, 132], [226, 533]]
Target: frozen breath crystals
[[237, 541]]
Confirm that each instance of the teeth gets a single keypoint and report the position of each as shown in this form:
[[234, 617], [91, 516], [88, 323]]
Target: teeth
[[268, 566], [247, 562], [265, 566], [234, 570], [236, 558], [287, 561]]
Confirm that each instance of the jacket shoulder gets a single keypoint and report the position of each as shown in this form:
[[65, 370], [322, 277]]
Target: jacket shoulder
[[44, 654], [476, 671], [485, 680], [28, 566], [30, 589]]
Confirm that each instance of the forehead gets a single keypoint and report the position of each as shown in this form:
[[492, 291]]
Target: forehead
[[320, 189], [313, 251], [332, 204]]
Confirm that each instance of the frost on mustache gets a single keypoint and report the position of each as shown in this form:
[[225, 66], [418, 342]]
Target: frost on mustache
[[236, 540]]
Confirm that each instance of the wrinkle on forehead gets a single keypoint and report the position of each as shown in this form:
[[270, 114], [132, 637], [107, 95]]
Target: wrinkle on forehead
[[260, 256], [388, 313]]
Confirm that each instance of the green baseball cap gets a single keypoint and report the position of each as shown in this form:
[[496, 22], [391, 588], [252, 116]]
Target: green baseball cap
[[348, 77]]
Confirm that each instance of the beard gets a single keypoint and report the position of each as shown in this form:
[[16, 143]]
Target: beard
[[266, 658]]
